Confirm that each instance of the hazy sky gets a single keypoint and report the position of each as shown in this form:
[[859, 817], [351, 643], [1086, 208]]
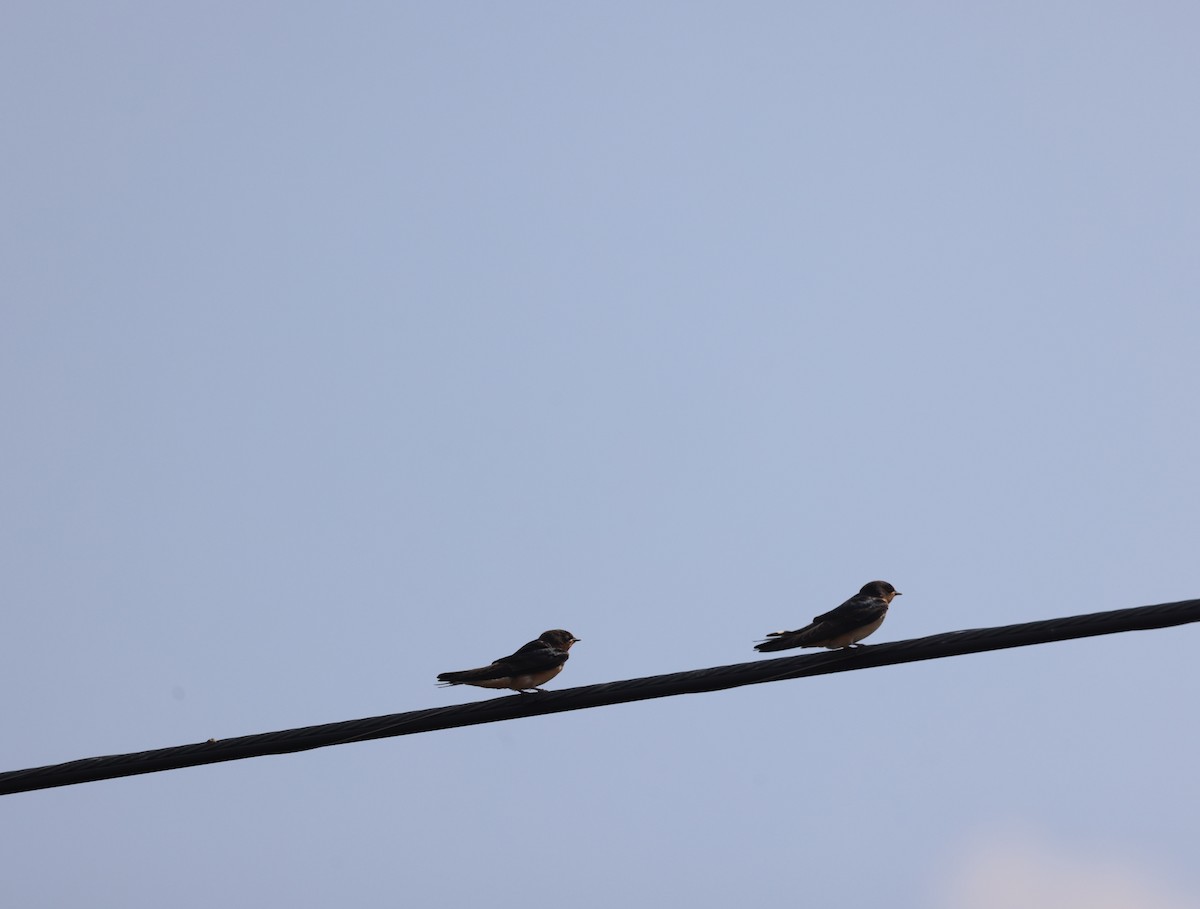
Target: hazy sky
[[345, 344]]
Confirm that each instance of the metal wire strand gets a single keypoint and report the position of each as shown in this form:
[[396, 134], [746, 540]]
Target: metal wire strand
[[954, 643]]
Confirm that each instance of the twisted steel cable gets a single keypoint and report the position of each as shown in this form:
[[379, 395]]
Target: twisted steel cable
[[953, 643]]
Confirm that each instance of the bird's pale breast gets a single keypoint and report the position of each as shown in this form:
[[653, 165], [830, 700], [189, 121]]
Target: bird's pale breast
[[853, 637]]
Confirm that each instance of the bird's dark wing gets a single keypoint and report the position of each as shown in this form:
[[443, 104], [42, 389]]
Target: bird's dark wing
[[854, 612], [539, 644], [786, 640], [483, 674], [536, 656]]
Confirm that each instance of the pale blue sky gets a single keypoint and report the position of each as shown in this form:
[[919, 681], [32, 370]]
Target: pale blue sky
[[344, 344]]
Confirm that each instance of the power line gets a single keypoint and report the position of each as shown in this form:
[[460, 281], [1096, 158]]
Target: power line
[[954, 643]]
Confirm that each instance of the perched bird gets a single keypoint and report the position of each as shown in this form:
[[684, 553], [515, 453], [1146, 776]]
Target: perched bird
[[842, 627], [534, 664]]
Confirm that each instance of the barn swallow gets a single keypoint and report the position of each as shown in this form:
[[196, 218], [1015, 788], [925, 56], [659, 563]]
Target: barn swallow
[[534, 664], [842, 627]]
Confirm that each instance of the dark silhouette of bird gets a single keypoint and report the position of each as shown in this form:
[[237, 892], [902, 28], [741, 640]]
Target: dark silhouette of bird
[[533, 665], [845, 626]]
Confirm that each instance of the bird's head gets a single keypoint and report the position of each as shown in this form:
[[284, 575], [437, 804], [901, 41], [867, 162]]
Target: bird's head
[[881, 589], [559, 638]]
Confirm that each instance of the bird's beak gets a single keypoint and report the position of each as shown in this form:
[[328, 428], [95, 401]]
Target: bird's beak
[[899, 594]]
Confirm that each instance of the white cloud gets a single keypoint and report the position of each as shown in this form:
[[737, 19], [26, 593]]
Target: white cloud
[[1016, 869]]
